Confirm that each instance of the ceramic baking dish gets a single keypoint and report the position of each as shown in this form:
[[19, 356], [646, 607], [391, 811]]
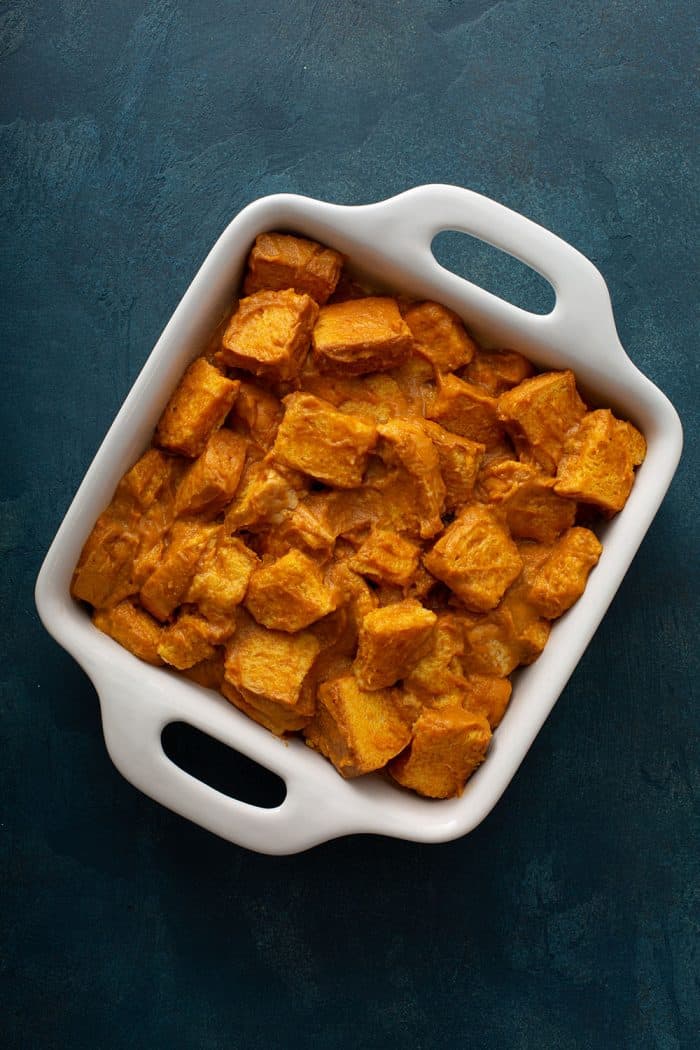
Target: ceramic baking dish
[[390, 242]]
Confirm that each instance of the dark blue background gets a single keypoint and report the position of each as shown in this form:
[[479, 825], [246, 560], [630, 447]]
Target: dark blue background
[[131, 133]]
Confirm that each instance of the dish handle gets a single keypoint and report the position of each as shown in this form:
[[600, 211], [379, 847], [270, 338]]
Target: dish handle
[[133, 724], [414, 219]]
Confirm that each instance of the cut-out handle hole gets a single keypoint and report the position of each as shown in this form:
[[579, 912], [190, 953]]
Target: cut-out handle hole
[[495, 270], [221, 767]]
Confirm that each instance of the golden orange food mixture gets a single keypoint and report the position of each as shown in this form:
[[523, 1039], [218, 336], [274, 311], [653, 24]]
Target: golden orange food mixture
[[355, 522]]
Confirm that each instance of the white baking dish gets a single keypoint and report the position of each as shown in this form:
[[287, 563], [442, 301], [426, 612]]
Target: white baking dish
[[390, 242]]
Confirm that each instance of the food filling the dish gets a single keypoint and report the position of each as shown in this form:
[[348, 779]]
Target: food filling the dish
[[355, 522]]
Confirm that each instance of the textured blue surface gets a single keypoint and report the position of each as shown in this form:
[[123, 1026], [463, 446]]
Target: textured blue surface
[[131, 133]]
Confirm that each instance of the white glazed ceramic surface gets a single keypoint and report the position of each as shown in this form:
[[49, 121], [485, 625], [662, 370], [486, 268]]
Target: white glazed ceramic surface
[[390, 242]]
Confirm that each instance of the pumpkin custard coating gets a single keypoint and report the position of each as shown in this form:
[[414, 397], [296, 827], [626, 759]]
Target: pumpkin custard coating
[[355, 522]]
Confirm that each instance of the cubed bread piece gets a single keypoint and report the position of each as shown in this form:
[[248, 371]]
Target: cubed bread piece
[[526, 497], [222, 576], [256, 413], [115, 558], [270, 665], [539, 413], [387, 556], [208, 673], [269, 334], [322, 442], [392, 641], [513, 633], [405, 445], [415, 379], [377, 396], [476, 558], [192, 638], [447, 746], [351, 590], [289, 594], [265, 492], [459, 460], [133, 628], [150, 478], [490, 647], [467, 410], [438, 673], [439, 336], [636, 442], [167, 586], [211, 481], [598, 460], [198, 407], [361, 335], [487, 695], [358, 730], [496, 371], [561, 578], [104, 573], [279, 261], [278, 718]]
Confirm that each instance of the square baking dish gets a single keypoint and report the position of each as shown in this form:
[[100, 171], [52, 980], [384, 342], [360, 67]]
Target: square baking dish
[[390, 243]]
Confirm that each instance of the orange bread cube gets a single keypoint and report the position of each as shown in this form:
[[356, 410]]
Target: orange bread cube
[[439, 336], [487, 695], [526, 497], [127, 537], [198, 407], [539, 413], [513, 633], [280, 261], [561, 578], [209, 673], [361, 335], [386, 556], [352, 591], [359, 731], [467, 410], [322, 442], [269, 334], [438, 674], [377, 396], [278, 718], [496, 371], [222, 576], [270, 665], [289, 594], [404, 444], [392, 641], [104, 574], [415, 379], [211, 481], [598, 461], [263, 495], [167, 586], [191, 639], [152, 476], [459, 460], [257, 414], [133, 628], [476, 558], [447, 746]]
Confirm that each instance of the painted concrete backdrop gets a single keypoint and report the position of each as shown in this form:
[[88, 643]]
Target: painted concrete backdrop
[[131, 133]]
